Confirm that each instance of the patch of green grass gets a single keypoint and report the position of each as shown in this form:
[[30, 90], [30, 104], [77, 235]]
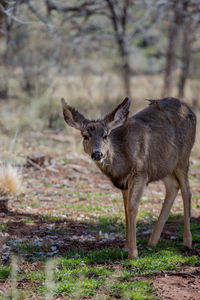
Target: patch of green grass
[[63, 161], [22, 204], [36, 276], [96, 256], [146, 199], [4, 272], [194, 181], [58, 230], [26, 220], [196, 197], [94, 203], [90, 285], [27, 249], [109, 224], [3, 227], [80, 284], [159, 260], [35, 203], [197, 166], [77, 273], [196, 201], [108, 272], [93, 197], [18, 294], [173, 217], [88, 208], [141, 226], [99, 194], [144, 214], [191, 177], [117, 200], [81, 184], [85, 208], [52, 218], [137, 290], [92, 273]]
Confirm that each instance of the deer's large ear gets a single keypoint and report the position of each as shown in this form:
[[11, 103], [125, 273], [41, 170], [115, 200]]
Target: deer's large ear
[[118, 116], [72, 116]]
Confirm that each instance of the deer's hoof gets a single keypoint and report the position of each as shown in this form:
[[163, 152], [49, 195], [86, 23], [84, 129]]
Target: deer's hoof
[[132, 254], [188, 242]]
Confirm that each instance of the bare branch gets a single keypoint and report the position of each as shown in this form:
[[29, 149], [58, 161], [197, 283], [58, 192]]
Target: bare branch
[[114, 17], [84, 9], [42, 18], [125, 15], [10, 15]]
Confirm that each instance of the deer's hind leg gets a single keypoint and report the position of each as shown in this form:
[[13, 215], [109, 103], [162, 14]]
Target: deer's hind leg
[[172, 187], [182, 175]]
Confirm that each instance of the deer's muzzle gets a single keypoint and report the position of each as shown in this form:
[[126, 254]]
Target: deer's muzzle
[[97, 155]]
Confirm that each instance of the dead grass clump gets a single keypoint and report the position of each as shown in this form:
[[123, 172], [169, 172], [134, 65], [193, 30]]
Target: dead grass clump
[[10, 180]]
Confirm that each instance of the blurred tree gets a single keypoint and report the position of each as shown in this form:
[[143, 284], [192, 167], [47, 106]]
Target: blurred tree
[[8, 11], [124, 18], [117, 12], [129, 26], [173, 37], [183, 27], [119, 24], [190, 25], [2, 16]]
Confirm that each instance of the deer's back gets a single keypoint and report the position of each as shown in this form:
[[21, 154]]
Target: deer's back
[[156, 140]]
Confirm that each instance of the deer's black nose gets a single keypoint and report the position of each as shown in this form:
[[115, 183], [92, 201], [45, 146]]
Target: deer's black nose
[[97, 155]]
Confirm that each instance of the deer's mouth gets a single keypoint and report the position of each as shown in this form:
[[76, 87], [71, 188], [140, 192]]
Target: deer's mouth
[[97, 156]]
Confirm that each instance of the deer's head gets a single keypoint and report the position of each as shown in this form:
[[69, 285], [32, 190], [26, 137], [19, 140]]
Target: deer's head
[[96, 133]]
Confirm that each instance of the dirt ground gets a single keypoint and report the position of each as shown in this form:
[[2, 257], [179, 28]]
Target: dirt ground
[[42, 205], [179, 285]]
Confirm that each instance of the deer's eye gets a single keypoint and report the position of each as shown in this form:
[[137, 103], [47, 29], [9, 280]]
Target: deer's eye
[[85, 137]]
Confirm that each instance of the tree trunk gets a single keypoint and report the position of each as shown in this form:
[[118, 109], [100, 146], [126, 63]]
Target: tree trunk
[[119, 27], [174, 29], [126, 70], [186, 55], [127, 79], [186, 50]]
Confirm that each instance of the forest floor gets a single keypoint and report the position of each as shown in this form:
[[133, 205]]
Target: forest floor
[[63, 238]]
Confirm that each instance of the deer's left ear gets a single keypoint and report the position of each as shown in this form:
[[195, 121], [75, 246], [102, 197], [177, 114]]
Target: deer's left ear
[[118, 116], [72, 116]]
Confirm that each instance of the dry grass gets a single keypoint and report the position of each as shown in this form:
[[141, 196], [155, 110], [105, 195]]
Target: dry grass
[[93, 95], [10, 180]]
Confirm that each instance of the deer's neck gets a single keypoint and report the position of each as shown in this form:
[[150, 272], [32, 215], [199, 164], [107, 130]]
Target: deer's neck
[[113, 165]]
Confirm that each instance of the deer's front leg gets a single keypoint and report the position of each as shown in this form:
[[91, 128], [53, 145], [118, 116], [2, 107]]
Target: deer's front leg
[[125, 198], [135, 189]]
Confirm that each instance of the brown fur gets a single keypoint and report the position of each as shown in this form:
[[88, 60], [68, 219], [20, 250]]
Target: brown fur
[[154, 144]]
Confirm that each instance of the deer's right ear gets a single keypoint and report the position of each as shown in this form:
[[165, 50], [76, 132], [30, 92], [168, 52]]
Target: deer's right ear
[[72, 116], [118, 116]]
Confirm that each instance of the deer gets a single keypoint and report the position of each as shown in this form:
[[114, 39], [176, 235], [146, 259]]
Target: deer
[[154, 144]]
